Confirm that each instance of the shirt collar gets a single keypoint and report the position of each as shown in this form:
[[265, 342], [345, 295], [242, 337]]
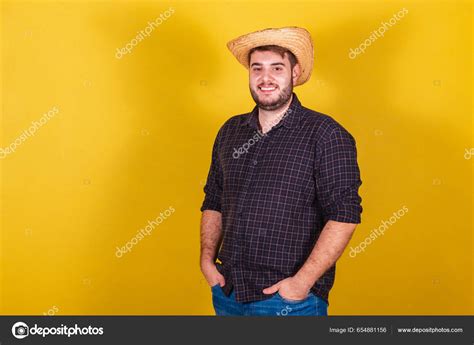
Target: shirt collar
[[290, 118]]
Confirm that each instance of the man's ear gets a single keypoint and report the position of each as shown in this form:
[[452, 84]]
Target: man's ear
[[296, 72]]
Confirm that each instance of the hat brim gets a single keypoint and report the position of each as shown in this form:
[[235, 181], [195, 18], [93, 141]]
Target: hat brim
[[295, 39]]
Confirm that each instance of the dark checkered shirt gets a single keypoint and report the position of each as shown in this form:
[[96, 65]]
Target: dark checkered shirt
[[276, 191]]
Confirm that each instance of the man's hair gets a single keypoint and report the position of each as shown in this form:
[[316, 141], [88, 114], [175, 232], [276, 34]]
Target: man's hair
[[276, 49]]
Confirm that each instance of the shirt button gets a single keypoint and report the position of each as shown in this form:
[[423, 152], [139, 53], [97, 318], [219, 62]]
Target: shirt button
[[254, 162]]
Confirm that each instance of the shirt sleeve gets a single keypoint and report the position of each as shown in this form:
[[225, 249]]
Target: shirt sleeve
[[337, 178], [214, 183]]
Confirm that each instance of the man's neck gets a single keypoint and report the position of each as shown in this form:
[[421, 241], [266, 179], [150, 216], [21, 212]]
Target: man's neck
[[269, 118]]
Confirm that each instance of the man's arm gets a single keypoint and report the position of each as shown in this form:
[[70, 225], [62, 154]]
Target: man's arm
[[330, 245], [211, 238], [211, 222]]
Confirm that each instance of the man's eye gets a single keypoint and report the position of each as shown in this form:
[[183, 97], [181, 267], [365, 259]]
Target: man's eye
[[278, 68]]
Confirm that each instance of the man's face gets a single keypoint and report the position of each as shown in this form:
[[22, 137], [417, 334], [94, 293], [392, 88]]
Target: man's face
[[271, 79]]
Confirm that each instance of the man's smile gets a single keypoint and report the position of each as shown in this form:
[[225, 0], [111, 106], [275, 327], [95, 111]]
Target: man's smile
[[267, 89]]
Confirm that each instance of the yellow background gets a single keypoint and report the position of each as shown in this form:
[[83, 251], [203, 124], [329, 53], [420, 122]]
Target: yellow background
[[133, 136]]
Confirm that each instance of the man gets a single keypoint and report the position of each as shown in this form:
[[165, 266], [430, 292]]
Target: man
[[282, 196]]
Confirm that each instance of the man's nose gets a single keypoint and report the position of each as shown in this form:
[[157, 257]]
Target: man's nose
[[266, 76]]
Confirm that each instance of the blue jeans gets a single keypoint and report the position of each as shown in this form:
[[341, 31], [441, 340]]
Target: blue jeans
[[274, 306]]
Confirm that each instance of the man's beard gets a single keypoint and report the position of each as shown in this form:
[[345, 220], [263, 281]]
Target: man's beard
[[283, 98]]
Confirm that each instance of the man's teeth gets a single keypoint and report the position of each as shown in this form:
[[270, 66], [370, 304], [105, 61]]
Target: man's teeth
[[267, 88]]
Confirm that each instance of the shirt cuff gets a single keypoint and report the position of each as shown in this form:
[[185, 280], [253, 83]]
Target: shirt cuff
[[345, 214], [211, 204]]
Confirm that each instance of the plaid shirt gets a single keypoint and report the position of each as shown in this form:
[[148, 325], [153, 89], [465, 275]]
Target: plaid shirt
[[276, 191]]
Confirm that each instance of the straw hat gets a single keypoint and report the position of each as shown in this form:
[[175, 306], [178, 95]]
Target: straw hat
[[295, 39]]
